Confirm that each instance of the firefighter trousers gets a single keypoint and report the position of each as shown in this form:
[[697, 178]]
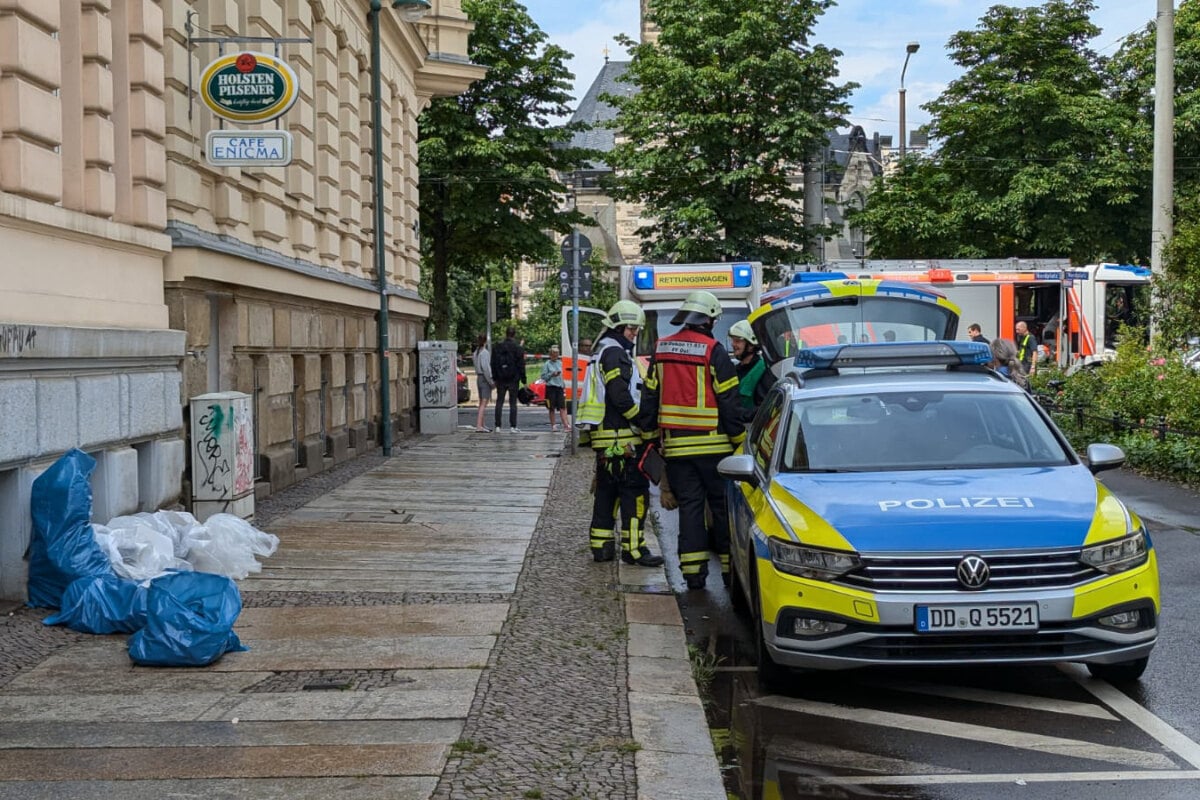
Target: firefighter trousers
[[697, 484], [620, 487]]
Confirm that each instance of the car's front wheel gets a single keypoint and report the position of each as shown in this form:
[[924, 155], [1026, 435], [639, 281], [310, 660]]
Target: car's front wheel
[[1124, 672]]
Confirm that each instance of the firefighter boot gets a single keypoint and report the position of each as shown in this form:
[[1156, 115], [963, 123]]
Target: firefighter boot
[[605, 552], [696, 582], [646, 559]]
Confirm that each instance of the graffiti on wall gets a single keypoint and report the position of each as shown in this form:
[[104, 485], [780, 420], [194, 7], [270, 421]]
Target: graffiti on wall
[[16, 339], [214, 462], [436, 372], [243, 478]]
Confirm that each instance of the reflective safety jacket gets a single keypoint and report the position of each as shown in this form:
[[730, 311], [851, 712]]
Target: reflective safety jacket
[[609, 406], [691, 396]]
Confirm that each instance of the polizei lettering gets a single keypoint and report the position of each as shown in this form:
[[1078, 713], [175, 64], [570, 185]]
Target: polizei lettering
[[937, 503]]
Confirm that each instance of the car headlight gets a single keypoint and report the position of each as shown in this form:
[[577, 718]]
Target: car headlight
[[1117, 555], [809, 562]]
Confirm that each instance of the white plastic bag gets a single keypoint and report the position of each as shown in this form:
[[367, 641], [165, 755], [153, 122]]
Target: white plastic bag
[[144, 551], [227, 545]]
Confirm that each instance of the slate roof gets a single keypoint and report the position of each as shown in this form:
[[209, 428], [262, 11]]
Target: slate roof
[[593, 111]]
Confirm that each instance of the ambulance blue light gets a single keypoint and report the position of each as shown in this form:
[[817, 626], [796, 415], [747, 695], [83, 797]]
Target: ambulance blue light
[[743, 276], [895, 354], [643, 278], [1141, 272], [817, 277]]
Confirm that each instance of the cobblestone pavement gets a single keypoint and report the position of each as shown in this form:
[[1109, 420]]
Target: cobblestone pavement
[[550, 717]]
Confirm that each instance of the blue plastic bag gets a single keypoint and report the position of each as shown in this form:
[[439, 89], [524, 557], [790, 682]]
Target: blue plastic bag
[[63, 548], [189, 621], [102, 604]]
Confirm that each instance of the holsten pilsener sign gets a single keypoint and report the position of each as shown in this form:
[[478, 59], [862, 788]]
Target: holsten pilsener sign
[[248, 87], [248, 148]]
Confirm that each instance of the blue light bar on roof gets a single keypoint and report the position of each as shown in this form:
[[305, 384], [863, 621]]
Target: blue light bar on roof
[[816, 277], [743, 276], [895, 354], [643, 278]]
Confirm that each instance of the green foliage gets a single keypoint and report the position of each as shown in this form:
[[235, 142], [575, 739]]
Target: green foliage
[[542, 326], [730, 101], [1036, 157], [1177, 291], [488, 158], [1125, 401]]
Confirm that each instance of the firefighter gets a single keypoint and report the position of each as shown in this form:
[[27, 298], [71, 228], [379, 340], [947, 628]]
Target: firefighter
[[691, 397], [755, 379], [609, 408]]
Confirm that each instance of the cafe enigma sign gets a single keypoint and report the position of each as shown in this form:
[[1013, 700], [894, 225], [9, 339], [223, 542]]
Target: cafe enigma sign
[[248, 87]]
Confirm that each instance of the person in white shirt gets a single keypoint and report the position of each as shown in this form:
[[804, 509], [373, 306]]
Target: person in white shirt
[[483, 378]]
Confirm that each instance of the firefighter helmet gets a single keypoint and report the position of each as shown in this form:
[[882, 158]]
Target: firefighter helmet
[[625, 312], [742, 330], [699, 308]]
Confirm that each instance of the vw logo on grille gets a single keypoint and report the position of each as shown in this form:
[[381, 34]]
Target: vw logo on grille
[[973, 572]]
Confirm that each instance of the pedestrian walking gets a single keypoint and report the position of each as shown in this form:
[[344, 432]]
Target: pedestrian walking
[[975, 331], [755, 379], [552, 378], [484, 383], [608, 409], [508, 372], [691, 397]]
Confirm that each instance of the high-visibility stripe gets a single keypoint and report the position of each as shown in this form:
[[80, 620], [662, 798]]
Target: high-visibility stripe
[[615, 372], [599, 537], [602, 438], [727, 385], [632, 543], [724, 562], [631, 413], [693, 563], [712, 443]]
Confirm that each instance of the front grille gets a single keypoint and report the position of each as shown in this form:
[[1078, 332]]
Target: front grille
[[938, 572], [976, 647]]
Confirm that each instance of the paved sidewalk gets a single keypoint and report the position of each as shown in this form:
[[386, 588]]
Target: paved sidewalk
[[433, 627]]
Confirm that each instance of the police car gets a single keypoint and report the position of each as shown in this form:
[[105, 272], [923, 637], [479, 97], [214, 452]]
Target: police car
[[903, 504]]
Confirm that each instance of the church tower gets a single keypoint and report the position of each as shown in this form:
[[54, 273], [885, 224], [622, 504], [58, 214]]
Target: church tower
[[649, 29]]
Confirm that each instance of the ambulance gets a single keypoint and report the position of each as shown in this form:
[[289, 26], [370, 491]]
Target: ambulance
[[997, 293], [660, 289]]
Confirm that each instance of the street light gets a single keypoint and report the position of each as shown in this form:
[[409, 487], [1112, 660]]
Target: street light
[[908, 51], [412, 11]]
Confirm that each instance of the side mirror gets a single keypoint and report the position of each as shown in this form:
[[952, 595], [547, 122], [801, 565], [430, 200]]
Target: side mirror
[[1101, 457], [739, 467]]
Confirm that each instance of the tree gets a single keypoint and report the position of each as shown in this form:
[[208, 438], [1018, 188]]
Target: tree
[[488, 157], [1037, 158], [542, 327], [731, 100]]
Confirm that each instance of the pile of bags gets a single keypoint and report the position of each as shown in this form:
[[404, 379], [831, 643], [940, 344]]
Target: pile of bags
[[164, 577]]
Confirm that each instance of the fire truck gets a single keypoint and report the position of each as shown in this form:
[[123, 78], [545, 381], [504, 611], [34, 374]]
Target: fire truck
[[1093, 300]]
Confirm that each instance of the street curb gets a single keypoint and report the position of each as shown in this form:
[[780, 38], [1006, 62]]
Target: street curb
[[676, 759]]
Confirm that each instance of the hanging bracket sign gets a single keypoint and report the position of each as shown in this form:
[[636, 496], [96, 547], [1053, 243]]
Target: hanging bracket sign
[[249, 87]]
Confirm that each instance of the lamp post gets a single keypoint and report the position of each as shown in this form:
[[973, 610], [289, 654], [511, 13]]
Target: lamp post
[[911, 48], [411, 11]]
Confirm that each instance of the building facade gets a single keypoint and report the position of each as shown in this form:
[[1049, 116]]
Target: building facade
[[133, 275]]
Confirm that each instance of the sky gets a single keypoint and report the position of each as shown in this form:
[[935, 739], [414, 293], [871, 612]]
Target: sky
[[872, 35]]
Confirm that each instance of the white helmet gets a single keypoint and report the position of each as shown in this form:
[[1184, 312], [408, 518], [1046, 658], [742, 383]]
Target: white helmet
[[699, 308], [742, 330], [625, 312]]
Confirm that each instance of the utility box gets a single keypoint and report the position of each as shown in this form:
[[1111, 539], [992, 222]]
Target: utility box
[[437, 386], [222, 455]]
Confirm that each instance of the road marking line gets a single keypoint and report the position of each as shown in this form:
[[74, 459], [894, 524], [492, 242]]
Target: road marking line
[[1033, 777], [1139, 715], [1071, 748], [1033, 702], [825, 756]]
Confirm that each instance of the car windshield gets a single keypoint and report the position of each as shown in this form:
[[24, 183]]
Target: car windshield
[[854, 319], [918, 430]]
